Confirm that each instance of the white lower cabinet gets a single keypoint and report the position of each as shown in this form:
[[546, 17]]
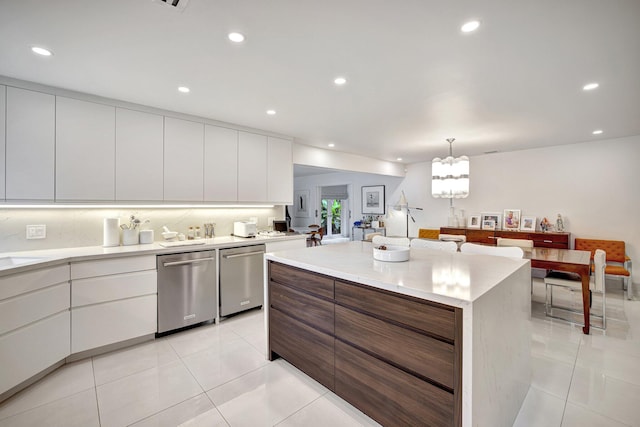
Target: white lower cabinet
[[112, 300]]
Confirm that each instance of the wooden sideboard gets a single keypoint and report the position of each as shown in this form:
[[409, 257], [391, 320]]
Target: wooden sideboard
[[396, 358], [489, 237]]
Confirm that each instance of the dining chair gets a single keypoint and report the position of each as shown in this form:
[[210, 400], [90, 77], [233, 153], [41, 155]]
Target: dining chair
[[521, 243], [506, 251], [396, 241], [617, 264], [435, 244], [459, 238], [315, 235], [428, 233], [573, 282]]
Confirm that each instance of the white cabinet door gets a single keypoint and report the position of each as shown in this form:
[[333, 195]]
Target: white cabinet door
[[139, 155], [183, 160], [252, 167], [220, 164], [85, 150], [2, 133], [30, 145], [279, 171]]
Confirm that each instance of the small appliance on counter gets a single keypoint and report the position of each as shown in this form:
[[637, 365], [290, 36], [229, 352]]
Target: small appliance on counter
[[244, 229]]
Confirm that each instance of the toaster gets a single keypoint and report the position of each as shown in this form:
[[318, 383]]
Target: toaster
[[244, 229]]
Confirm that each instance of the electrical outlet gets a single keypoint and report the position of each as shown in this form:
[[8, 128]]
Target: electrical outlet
[[36, 231]]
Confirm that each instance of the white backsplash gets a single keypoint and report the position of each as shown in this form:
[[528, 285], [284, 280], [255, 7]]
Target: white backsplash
[[83, 227]]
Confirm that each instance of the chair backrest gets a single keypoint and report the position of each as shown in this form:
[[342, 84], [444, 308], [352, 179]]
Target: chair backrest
[[521, 243], [428, 233], [600, 261], [614, 249], [397, 241], [452, 237], [369, 237], [507, 251], [434, 244]]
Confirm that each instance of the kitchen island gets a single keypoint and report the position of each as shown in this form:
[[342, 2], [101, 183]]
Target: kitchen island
[[443, 339]]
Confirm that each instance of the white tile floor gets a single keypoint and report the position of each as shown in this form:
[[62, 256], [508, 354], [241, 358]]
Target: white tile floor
[[217, 375]]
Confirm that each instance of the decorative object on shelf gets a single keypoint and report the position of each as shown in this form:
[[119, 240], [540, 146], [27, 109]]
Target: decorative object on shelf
[[474, 221], [545, 225], [450, 176], [111, 232], [373, 200], [404, 205], [511, 219], [490, 216], [559, 224], [488, 224], [528, 223], [301, 204]]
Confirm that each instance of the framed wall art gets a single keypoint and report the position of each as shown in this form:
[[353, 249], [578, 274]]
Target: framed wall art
[[301, 203], [488, 224], [511, 219], [491, 216], [373, 200], [474, 221], [528, 223]]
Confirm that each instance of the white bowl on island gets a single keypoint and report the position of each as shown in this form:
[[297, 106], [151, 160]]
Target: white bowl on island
[[391, 253]]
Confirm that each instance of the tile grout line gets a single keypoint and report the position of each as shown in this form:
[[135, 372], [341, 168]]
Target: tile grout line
[[573, 371], [95, 391], [305, 406]]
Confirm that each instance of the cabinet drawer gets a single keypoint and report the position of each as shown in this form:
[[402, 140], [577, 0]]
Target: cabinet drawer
[[447, 230], [24, 309], [101, 324], [32, 349], [481, 236], [304, 280], [83, 269], [108, 288], [304, 307], [306, 348], [433, 318], [417, 353], [21, 283], [387, 394]]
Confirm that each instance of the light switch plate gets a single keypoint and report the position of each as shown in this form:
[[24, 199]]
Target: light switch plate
[[36, 231]]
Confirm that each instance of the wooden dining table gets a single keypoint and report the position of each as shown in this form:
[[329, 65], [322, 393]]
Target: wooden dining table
[[566, 260]]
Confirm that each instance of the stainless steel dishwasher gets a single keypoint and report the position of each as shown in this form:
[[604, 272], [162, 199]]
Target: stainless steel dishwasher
[[241, 279], [186, 289]]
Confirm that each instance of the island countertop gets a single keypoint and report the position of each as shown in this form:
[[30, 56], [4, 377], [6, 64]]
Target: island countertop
[[455, 279]]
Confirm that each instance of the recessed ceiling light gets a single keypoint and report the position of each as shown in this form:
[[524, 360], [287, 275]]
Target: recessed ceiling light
[[590, 86], [470, 26], [271, 112], [184, 89], [399, 159], [331, 145], [236, 37], [41, 51], [597, 132], [340, 81]]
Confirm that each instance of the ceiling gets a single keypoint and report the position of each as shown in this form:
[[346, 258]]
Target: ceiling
[[413, 78]]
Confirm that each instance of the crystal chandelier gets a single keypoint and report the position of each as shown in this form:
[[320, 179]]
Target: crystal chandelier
[[450, 176]]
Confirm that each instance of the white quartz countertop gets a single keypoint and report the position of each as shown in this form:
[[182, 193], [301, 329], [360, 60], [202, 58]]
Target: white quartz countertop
[[455, 279], [14, 262]]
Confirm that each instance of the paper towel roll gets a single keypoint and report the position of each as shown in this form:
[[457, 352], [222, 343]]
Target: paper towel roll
[[111, 234]]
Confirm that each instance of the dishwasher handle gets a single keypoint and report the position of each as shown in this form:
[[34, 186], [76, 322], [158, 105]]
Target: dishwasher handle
[[188, 261], [231, 256]]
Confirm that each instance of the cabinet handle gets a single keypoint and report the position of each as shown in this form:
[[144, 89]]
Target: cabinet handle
[[548, 241], [189, 261], [242, 255]]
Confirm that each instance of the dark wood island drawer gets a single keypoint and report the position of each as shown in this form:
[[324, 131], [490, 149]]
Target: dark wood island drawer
[[389, 395], [432, 318], [301, 279], [304, 307]]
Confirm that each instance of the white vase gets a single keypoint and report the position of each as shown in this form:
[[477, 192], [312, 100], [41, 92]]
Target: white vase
[[130, 237]]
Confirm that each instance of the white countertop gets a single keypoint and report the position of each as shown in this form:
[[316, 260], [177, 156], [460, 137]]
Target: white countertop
[[49, 257], [455, 279]]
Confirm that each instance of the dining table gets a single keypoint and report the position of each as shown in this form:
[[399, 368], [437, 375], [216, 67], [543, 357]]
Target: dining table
[[568, 260]]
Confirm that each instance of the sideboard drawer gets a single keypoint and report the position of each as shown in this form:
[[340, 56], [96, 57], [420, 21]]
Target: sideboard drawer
[[304, 307], [429, 317], [481, 236], [304, 280]]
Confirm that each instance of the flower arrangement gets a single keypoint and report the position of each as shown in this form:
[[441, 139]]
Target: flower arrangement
[[134, 223]]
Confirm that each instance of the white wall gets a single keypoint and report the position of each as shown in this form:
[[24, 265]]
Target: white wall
[[83, 227], [323, 158], [594, 185]]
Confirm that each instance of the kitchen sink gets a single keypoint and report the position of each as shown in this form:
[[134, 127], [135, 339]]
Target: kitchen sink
[[14, 261]]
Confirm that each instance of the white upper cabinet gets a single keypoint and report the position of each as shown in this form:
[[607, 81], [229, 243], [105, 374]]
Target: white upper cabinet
[[85, 150], [183, 160], [220, 164], [279, 171], [252, 167], [30, 143], [139, 155], [2, 133]]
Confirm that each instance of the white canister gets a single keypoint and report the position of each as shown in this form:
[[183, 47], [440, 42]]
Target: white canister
[[111, 232], [130, 237], [375, 224], [146, 237]]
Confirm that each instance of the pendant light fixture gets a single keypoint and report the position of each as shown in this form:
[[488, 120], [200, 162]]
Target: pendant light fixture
[[450, 176]]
